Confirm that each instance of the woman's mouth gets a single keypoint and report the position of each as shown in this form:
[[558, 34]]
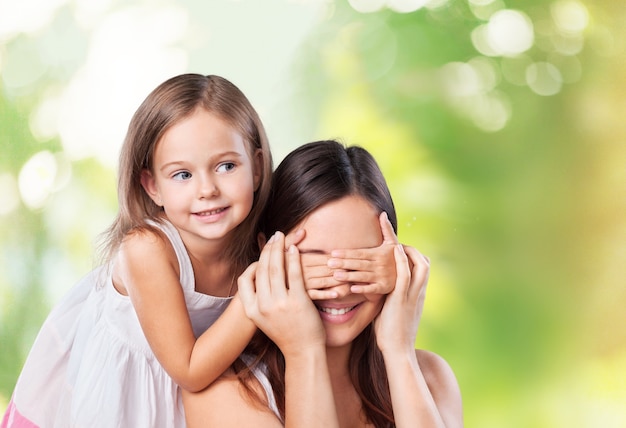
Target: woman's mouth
[[336, 311]]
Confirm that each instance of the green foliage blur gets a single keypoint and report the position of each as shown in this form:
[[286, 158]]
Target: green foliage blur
[[524, 224], [516, 191]]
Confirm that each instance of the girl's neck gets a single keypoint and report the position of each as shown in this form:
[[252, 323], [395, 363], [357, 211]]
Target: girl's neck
[[213, 278]]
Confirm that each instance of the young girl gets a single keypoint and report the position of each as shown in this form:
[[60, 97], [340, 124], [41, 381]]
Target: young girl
[[347, 361], [193, 178]]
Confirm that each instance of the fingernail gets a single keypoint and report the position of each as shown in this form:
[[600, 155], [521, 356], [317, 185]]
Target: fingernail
[[340, 275], [292, 249], [269, 241], [333, 263]]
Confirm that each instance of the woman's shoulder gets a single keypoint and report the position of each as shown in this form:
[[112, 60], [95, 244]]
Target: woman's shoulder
[[431, 361], [229, 403], [435, 368], [441, 380]]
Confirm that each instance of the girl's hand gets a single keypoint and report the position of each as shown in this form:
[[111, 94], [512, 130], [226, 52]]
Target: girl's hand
[[273, 294], [373, 269], [396, 325]]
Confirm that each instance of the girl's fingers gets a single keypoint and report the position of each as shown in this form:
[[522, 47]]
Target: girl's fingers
[[277, 278], [355, 276], [294, 238], [321, 283], [369, 289], [389, 236], [403, 274], [420, 270], [246, 289], [294, 272], [351, 263], [353, 254], [317, 274], [261, 280], [322, 294], [269, 272]]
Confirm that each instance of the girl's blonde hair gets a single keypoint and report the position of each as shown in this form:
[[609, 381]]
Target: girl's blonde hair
[[172, 101]]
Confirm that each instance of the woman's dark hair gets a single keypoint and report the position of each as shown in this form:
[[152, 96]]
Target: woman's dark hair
[[308, 178]]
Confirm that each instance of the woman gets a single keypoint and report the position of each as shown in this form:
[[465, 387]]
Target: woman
[[347, 361]]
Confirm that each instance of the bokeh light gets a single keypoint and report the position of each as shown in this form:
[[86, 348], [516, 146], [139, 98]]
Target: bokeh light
[[9, 195], [544, 78], [507, 33], [36, 179]]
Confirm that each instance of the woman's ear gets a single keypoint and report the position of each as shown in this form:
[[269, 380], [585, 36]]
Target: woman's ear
[[149, 185], [261, 239]]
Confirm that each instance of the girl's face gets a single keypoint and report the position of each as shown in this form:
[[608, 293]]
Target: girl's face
[[203, 177], [350, 222]]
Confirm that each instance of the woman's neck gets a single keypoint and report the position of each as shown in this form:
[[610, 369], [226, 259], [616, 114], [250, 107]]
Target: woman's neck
[[347, 401], [338, 358]]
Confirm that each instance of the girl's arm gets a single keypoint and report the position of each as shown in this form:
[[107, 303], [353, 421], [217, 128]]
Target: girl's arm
[[157, 297], [287, 316], [424, 390]]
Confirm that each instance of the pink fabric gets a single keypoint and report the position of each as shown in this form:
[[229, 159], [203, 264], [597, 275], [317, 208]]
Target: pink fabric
[[13, 419]]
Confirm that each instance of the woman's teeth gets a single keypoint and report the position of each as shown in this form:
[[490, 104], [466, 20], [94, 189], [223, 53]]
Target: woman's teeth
[[337, 311]]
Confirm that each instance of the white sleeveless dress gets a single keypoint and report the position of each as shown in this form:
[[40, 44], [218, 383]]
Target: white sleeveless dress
[[91, 366]]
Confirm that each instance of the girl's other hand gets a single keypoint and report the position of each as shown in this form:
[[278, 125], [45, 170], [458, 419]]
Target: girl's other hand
[[273, 294], [318, 277], [371, 270], [396, 325]]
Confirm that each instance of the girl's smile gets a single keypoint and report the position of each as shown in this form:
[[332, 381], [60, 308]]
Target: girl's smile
[[204, 178], [211, 216]]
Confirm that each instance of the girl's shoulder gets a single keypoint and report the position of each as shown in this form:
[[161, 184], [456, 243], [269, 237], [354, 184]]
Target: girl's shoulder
[[148, 245], [146, 239], [141, 248]]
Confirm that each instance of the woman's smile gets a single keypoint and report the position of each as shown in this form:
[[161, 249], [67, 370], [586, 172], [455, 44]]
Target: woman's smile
[[336, 313]]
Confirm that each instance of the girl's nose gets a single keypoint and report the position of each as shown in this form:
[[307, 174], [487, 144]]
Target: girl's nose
[[208, 189]]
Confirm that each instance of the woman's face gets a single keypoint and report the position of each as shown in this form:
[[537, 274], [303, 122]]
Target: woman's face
[[350, 222]]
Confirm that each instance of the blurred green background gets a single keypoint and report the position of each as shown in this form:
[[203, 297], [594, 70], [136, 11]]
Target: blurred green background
[[499, 125]]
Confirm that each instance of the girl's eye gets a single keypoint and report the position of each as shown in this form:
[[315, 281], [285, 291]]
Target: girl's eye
[[182, 175], [225, 167]]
